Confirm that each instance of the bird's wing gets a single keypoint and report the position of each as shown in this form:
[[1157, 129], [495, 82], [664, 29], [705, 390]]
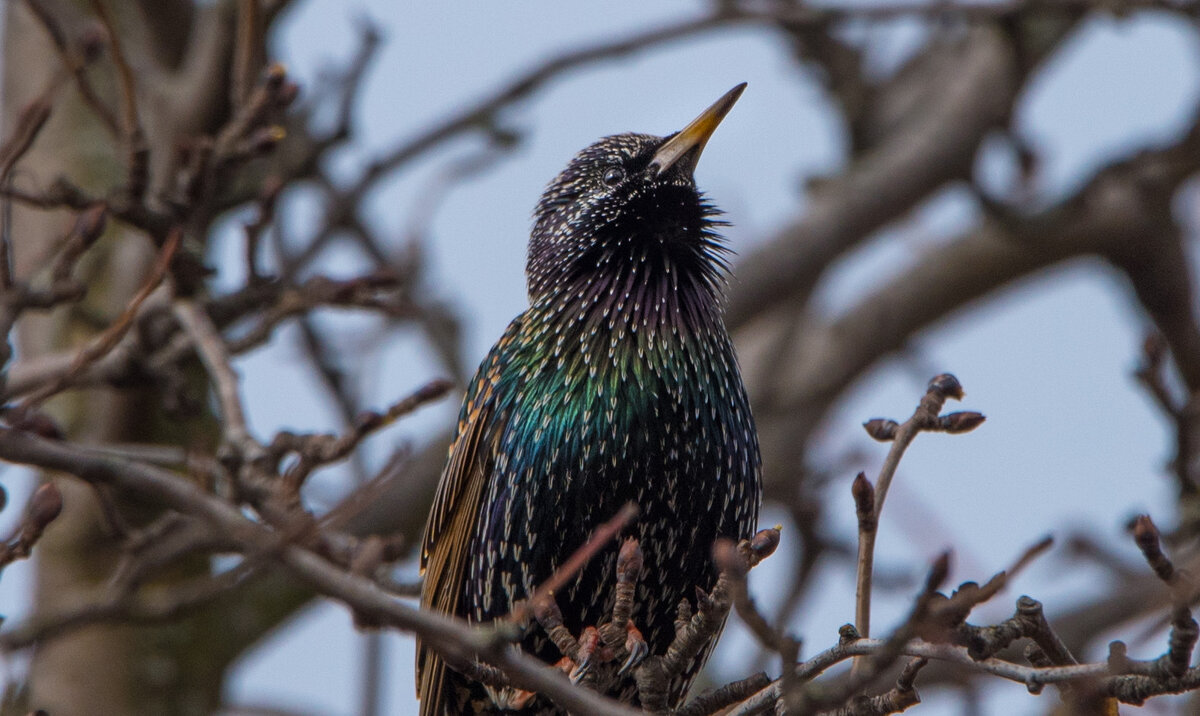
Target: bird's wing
[[444, 550]]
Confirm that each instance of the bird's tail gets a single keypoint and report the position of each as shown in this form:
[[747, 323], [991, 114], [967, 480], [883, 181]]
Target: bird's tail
[[433, 688]]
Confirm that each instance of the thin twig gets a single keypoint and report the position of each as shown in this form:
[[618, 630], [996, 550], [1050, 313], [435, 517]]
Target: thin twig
[[254, 230], [214, 354], [44, 507], [119, 605], [248, 46], [106, 341], [1031, 676], [456, 640], [925, 417], [811, 697], [29, 124], [137, 154], [566, 571], [317, 450], [76, 65]]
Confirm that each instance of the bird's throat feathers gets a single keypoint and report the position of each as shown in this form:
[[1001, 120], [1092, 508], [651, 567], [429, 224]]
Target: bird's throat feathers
[[626, 273], [680, 257], [631, 281]]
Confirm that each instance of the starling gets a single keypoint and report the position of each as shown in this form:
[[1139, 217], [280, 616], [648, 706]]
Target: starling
[[618, 384]]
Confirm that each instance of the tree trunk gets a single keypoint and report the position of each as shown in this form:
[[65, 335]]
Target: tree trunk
[[110, 669]]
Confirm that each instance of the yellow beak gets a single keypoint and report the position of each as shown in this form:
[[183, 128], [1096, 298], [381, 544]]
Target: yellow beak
[[684, 148]]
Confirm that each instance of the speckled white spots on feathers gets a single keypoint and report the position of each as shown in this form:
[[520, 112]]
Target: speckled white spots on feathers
[[618, 384]]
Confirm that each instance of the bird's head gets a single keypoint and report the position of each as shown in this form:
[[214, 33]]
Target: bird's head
[[629, 202]]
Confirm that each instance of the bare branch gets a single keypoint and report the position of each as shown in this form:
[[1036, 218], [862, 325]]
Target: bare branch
[[108, 340], [453, 638], [76, 64], [926, 417], [136, 152], [212, 350]]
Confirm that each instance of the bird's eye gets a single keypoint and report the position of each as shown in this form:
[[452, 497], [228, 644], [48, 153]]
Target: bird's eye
[[614, 176]]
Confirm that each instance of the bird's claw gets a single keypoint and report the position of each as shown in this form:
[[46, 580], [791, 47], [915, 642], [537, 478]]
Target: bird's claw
[[519, 699], [579, 671], [636, 646], [589, 642]]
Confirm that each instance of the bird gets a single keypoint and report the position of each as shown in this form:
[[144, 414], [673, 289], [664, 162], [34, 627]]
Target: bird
[[619, 383]]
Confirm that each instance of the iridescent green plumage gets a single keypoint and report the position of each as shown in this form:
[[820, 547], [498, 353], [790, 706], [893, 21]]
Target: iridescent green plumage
[[618, 384]]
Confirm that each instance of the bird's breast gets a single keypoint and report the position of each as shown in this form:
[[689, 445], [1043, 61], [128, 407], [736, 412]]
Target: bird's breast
[[602, 411], [609, 403]]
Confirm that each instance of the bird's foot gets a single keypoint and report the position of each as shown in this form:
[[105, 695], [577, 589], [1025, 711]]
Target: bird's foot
[[620, 634], [616, 641], [565, 665], [635, 646], [590, 652], [518, 699]]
